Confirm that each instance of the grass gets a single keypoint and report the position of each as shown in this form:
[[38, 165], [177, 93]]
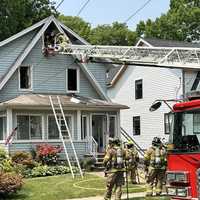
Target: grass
[[64, 187]]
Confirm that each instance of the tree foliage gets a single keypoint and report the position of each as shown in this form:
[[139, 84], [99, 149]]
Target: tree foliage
[[78, 25], [16, 15], [181, 22], [115, 34]]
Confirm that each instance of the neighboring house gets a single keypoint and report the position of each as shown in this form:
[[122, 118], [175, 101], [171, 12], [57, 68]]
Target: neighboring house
[[30, 71], [138, 87]]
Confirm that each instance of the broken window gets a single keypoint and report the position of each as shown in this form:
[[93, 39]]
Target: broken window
[[72, 80], [25, 77]]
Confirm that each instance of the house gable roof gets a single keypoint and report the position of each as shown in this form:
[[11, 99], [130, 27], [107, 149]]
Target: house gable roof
[[116, 73], [43, 25]]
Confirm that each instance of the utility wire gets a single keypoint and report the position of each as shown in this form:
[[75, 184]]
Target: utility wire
[[82, 8], [137, 11], [59, 4]]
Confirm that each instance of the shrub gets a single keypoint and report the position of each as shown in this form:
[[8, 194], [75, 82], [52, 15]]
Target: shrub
[[88, 163], [45, 170], [22, 170], [6, 165], [3, 154], [9, 183], [23, 158], [48, 154]]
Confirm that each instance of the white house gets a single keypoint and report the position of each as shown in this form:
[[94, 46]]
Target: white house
[[138, 87]]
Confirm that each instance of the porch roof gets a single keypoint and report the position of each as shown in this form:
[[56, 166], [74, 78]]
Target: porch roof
[[70, 101]]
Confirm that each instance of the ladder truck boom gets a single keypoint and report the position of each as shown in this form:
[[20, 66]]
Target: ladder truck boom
[[168, 57]]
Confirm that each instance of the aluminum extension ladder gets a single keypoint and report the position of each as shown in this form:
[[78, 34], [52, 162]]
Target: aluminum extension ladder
[[57, 106]]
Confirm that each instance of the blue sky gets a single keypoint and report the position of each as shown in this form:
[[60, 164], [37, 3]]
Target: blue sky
[[108, 11]]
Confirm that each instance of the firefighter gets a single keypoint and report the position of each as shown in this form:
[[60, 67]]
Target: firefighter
[[115, 156], [132, 158], [110, 146], [155, 165]]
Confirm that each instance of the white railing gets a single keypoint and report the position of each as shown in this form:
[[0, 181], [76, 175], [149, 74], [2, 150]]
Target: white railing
[[92, 147]]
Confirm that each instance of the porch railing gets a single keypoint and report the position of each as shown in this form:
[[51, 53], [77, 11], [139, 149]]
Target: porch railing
[[92, 147], [128, 137]]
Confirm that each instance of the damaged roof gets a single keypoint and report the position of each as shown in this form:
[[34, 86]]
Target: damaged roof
[[75, 101]]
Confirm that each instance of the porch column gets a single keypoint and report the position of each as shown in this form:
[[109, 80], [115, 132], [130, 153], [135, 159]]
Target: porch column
[[78, 124], [118, 124], [9, 126]]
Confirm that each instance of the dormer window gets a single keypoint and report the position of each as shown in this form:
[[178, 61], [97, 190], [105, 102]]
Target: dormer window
[[72, 80], [25, 78]]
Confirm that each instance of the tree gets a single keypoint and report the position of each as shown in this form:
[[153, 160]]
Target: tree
[[181, 22], [78, 25], [115, 34], [16, 15]]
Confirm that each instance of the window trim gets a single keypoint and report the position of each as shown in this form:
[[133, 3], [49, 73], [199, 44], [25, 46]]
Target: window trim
[[42, 128], [58, 140], [135, 88], [115, 116], [133, 125], [87, 128], [4, 131], [78, 80], [31, 81]]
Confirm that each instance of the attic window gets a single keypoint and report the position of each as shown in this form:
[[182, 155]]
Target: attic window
[[25, 77], [72, 80]]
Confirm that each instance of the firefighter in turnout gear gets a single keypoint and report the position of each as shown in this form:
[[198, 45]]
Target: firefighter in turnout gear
[[155, 161], [115, 156], [132, 158]]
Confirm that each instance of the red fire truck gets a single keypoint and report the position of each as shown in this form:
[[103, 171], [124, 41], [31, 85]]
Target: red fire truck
[[183, 174]]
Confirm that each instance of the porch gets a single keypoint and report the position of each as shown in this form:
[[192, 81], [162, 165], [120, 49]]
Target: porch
[[90, 122]]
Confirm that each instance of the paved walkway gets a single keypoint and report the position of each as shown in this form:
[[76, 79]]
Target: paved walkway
[[132, 195]]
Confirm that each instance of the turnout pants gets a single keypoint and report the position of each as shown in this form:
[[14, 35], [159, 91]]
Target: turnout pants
[[155, 176], [133, 174], [116, 180]]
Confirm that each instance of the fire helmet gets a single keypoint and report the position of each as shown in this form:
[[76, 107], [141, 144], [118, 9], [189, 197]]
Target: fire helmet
[[156, 141]]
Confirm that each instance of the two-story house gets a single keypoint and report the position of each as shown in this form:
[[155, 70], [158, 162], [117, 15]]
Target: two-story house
[[139, 86], [31, 71]]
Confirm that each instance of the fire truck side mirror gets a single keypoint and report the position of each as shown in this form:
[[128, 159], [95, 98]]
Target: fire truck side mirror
[[155, 106]]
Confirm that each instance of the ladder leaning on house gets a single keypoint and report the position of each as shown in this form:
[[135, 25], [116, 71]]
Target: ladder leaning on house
[[58, 110]]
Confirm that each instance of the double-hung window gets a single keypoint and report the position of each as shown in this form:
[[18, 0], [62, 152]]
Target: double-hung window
[[25, 78], [53, 132], [29, 127], [72, 80], [2, 127]]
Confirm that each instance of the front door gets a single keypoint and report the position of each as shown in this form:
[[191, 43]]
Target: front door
[[99, 130]]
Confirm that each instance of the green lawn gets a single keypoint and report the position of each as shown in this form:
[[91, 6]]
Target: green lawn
[[64, 187]]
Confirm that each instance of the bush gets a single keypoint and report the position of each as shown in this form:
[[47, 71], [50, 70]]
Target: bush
[[48, 154], [45, 170], [23, 158], [9, 183], [22, 170], [88, 163], [6, 165], [3, 154]]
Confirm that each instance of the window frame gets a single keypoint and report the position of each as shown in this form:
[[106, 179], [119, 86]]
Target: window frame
[[78, 80], [133, 125], [31, 78], [136, 96], [166, 117], [72, 131], [196, 133], [30, 140], [115, 118], [4, 128], [87, 127]]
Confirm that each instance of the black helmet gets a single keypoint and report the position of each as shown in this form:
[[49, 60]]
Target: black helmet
[[117, 141], [130, 144], [156, 141]]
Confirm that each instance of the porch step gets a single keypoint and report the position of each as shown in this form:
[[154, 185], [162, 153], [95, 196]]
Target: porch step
[[98, 166]]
